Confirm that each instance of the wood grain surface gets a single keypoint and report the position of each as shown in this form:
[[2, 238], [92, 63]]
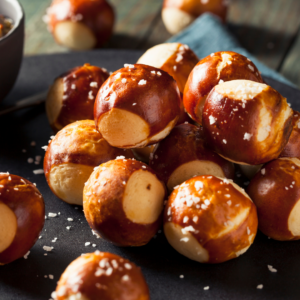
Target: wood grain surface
[[269, 29]]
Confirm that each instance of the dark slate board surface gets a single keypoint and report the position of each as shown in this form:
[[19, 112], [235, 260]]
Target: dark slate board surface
[[161, 265]]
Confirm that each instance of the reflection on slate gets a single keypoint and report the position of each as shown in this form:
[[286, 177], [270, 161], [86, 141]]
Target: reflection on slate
[[25, 279]]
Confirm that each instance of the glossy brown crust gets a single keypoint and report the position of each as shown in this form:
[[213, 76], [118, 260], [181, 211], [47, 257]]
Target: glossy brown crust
[[185, 143], [97, 15], [28, 206], [212, 220], [180, 64], [157, 101], [79, 277], [107, 217], [80, 143], [292, 148], [273, 201], [205, 77], [78, 103], [231, 125], [196, 8]]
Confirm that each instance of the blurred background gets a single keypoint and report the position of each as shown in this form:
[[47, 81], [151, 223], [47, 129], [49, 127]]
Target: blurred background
[[269, 29]]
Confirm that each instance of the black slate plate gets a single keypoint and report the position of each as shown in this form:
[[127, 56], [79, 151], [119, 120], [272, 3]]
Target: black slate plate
[[162, 266]]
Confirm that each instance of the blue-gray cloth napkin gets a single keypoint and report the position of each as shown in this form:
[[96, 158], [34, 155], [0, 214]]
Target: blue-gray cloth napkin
[[207, 35]]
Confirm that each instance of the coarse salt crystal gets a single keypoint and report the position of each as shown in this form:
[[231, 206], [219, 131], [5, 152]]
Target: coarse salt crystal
[[70, 219], [224, 141], [94, 84], [90, 96], [47, 248], [73, 86], [271, 269], [260, 286], [263, 171], [125, 278], [247, 136], [52, 215], [206, 288], [185, 239], [129, 66], [87, 244], [212, 120], [26, 255], [185, 219], [142, 82], [38, 171], [158, 73], [124, 80]]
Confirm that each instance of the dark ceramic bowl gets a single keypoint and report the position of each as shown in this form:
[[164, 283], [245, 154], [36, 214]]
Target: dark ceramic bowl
[[11, 46]]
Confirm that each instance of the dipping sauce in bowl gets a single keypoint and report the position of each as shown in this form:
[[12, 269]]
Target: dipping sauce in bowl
[[6, 24]]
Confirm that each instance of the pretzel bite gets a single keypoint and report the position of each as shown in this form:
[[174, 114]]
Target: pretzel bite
[[80, 24], [137, 106], [275, 191], [22, 216], [292, 148], [178, 14], [72, 95], [123, 202], [72, 156], [209, 72], [176, 59], [182, 155], [246, 122], [210, 219], [102, 275]]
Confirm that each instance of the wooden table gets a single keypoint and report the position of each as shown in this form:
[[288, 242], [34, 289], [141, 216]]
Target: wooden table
[[269, 29]]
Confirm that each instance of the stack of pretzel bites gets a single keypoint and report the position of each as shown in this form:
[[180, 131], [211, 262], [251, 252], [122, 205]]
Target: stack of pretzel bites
[[161, 148]]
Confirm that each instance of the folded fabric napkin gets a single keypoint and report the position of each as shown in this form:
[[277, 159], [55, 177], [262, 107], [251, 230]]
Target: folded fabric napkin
[[207, 35]]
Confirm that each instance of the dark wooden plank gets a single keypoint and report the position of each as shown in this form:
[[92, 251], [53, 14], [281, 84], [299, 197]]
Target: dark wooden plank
[[291, 65]]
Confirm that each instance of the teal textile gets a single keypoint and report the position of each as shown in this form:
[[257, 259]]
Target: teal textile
[[207, 34]]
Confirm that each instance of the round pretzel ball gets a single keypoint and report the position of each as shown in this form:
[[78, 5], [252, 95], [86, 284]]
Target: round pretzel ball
[[22, 217], [123, 202], [246, 122], [137, 106], [176, 59], [72, 156], [80, 24], [275, 190], [183, 154], [292, 148], [179, 14], [72, 96], [101, 275], [211, 71], [210, 219]]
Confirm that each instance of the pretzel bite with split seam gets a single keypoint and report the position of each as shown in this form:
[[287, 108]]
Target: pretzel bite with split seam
[[210, 71], [123, 202], [275, 191], [80, 24], [210, 220], [101, 275], [246, 122], [183, 154], [137, 106], [176, 59], [22, 216], [72, 156], [72, 96], [178, 14]]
